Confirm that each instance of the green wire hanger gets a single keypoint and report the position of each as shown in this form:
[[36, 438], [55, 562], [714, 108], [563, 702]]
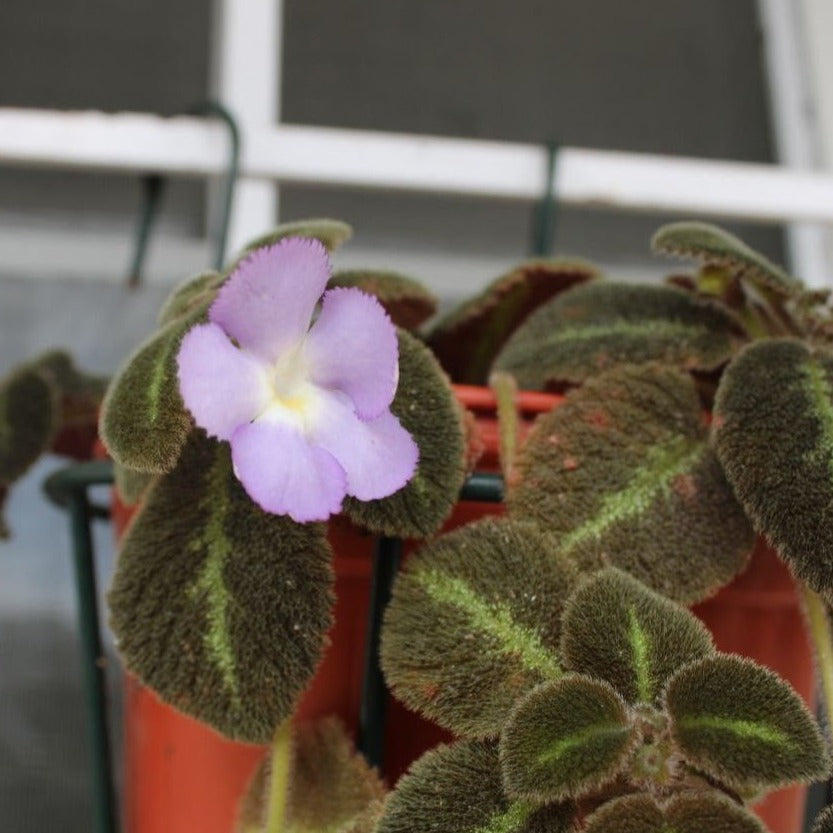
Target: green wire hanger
[[153, 186], [545, 213]]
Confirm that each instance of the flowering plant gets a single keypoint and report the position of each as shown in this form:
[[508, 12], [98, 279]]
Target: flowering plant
[[278, 394]]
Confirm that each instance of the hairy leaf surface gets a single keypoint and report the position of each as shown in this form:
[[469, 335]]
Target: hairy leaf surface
[[218, 606], [566, 738], [330, 233], [473, 624], [407, 301], [144, 422], [622, 475], [457, 789], [773, 433], [687, 812], [601, 325], [331, 787], [467, 340], [713, 245], [645, 638], [426, 407], [185, 298], [743, 725]]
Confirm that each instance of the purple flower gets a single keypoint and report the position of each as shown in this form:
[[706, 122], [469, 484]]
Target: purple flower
[[306, 409]]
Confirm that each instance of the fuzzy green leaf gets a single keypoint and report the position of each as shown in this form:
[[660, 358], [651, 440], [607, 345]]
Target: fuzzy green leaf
[[743, 725], [467, 340], [687, 812], [645, 639], [426, 407], [622, 475], [188, 296], [130, 484], [331, 787], [144, 422], [824, 821], [773, 433], [217, 605], [473, 624], [457, 789], [601, 325], [712, 245], [564, 739], [407, 301], [29, 417], [330, 233]]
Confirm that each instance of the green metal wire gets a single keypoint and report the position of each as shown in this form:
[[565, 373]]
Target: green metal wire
[[68, 488], [153, 186], [544, 218]]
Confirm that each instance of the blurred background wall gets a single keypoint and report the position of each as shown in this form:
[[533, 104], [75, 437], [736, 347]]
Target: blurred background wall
[[649, 75]]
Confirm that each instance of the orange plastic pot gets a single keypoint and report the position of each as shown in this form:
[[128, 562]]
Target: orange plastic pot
[[180, 776]]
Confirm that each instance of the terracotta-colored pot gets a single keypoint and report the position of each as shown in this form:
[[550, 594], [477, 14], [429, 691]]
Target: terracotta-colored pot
[[180, 776]]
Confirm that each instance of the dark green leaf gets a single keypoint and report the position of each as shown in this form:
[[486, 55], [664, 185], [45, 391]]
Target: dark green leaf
[[701, 811], [565, 739], [29, 416], [457, 789], [713, 245], [622, 475], [331, 787], [645, 639], [473, 624], [467, 340], [330, 233], [601, 325], [130, 484], [218, 606], [407, 302], [426, 407], [144, 423], [743, 725], [193, 293], [773, 432]]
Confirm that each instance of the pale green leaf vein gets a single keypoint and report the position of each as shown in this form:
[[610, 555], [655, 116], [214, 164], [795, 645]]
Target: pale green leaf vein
[[746, 729], [510, 820], [557, 750], [493, 618]]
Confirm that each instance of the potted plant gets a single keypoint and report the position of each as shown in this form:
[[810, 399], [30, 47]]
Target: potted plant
[[253, 414]]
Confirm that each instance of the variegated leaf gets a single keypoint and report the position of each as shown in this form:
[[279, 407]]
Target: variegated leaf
[[426, 407], [565, 739], [407, 301], [645, 639], [467, 340], [773, 433], [743, 725], [622, 474], [144, 422], [713, 245], [601, 325], [218, 606], [473, 624], [330, 787], [701, 811], [457, 789]]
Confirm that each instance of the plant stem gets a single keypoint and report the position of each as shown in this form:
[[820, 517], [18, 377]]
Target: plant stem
[[505, 389], [820, 635], [279, 778]]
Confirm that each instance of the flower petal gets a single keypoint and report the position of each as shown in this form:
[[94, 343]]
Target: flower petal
[[267, 303], [379, 456], [284, 474], [222, 387], [352, 347]]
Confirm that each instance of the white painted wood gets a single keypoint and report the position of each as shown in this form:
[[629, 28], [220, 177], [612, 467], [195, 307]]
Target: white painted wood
[[246, 65], [625, 181], [795, 128]]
